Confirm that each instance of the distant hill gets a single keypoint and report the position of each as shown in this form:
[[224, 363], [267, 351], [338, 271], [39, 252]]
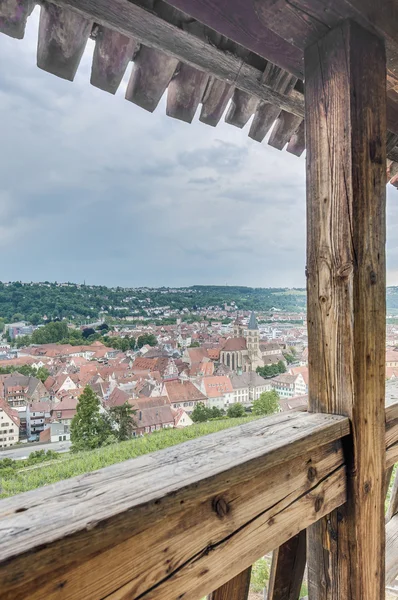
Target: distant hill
[[31, 301]]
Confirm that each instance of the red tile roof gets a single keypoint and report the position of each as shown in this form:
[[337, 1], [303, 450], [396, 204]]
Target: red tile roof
[[183, 391], [234, 344]]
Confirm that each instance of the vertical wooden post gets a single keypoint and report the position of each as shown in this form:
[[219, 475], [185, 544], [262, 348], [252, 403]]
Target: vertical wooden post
[[287, 569], [345, 96], [236, 588]]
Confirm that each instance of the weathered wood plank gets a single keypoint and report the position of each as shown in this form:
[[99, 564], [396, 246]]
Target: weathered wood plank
[[151, 74], [391, 550], [265, 117], [346, 176], [242, 107], [296, 144], [236, 588], [266, 113], [188, 518], [13, 16], [215, 101], [185, 93], [285, 127], [63, 36], [287, 569], [134, 21], [113, 52]]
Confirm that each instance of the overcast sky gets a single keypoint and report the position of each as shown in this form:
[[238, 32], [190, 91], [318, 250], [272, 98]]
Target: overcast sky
[[94, 188]]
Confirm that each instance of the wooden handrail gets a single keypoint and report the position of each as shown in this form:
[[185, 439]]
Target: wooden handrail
[[184, 520], [180, 521]]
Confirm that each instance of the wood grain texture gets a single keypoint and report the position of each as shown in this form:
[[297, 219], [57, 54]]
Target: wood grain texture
[[13, 17], [287, 569], [239, 21], [215, 100], [236, 588], [113, 52], [391, 550], [151, 74], [242, 107], [185, 93], [296, 143], [63, 36], [265, 117], [346, 177], [284, 128], [194, 515], [134, 21]]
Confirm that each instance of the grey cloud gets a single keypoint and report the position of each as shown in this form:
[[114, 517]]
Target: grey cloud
[[222, 156], [203, 180]]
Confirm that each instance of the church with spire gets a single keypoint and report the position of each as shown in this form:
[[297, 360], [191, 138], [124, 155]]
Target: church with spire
[[241, 353]]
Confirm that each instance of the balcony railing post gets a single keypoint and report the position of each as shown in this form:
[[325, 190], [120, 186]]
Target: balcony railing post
[[345, 97]]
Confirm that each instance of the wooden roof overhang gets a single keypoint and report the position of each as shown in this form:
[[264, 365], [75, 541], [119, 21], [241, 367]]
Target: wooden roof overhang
[[203, 55]]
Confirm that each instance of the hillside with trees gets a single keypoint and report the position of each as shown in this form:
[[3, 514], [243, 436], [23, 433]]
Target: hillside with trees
[[34, 301]]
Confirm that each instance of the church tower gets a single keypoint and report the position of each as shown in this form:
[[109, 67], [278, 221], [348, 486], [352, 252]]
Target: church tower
[[238, 327], [253, 337]]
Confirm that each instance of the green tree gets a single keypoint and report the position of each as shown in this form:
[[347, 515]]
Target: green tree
[[236, 410], [16, 317], [42, 373], [281, 367], [35, 318], [200, 413], [194, 344], [147, 338], [88, 428], [266, 404], [216, 413], [123, 418]]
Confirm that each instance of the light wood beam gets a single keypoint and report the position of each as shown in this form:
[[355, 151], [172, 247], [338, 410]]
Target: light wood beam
[[345, 74], [182, 521]]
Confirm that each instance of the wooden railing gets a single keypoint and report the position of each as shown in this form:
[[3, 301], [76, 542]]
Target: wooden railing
[[181, 522]]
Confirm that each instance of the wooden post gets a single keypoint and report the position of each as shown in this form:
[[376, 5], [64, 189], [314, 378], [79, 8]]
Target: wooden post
[[236, 588], [287, 569], [345, 98]]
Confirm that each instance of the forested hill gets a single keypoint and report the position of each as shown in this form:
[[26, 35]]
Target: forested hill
[[33, 301]]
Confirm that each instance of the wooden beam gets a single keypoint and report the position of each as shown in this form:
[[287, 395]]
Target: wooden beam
[[113, 52], [131, 20], [296, 144], [13, 17], [345, 75], [236, 588], [391, 550], [285, 127], [287, 569], [151, 74], [242, 107], [182, 521], [185, 93], [215, 100], [391, 434], [63, 36]]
